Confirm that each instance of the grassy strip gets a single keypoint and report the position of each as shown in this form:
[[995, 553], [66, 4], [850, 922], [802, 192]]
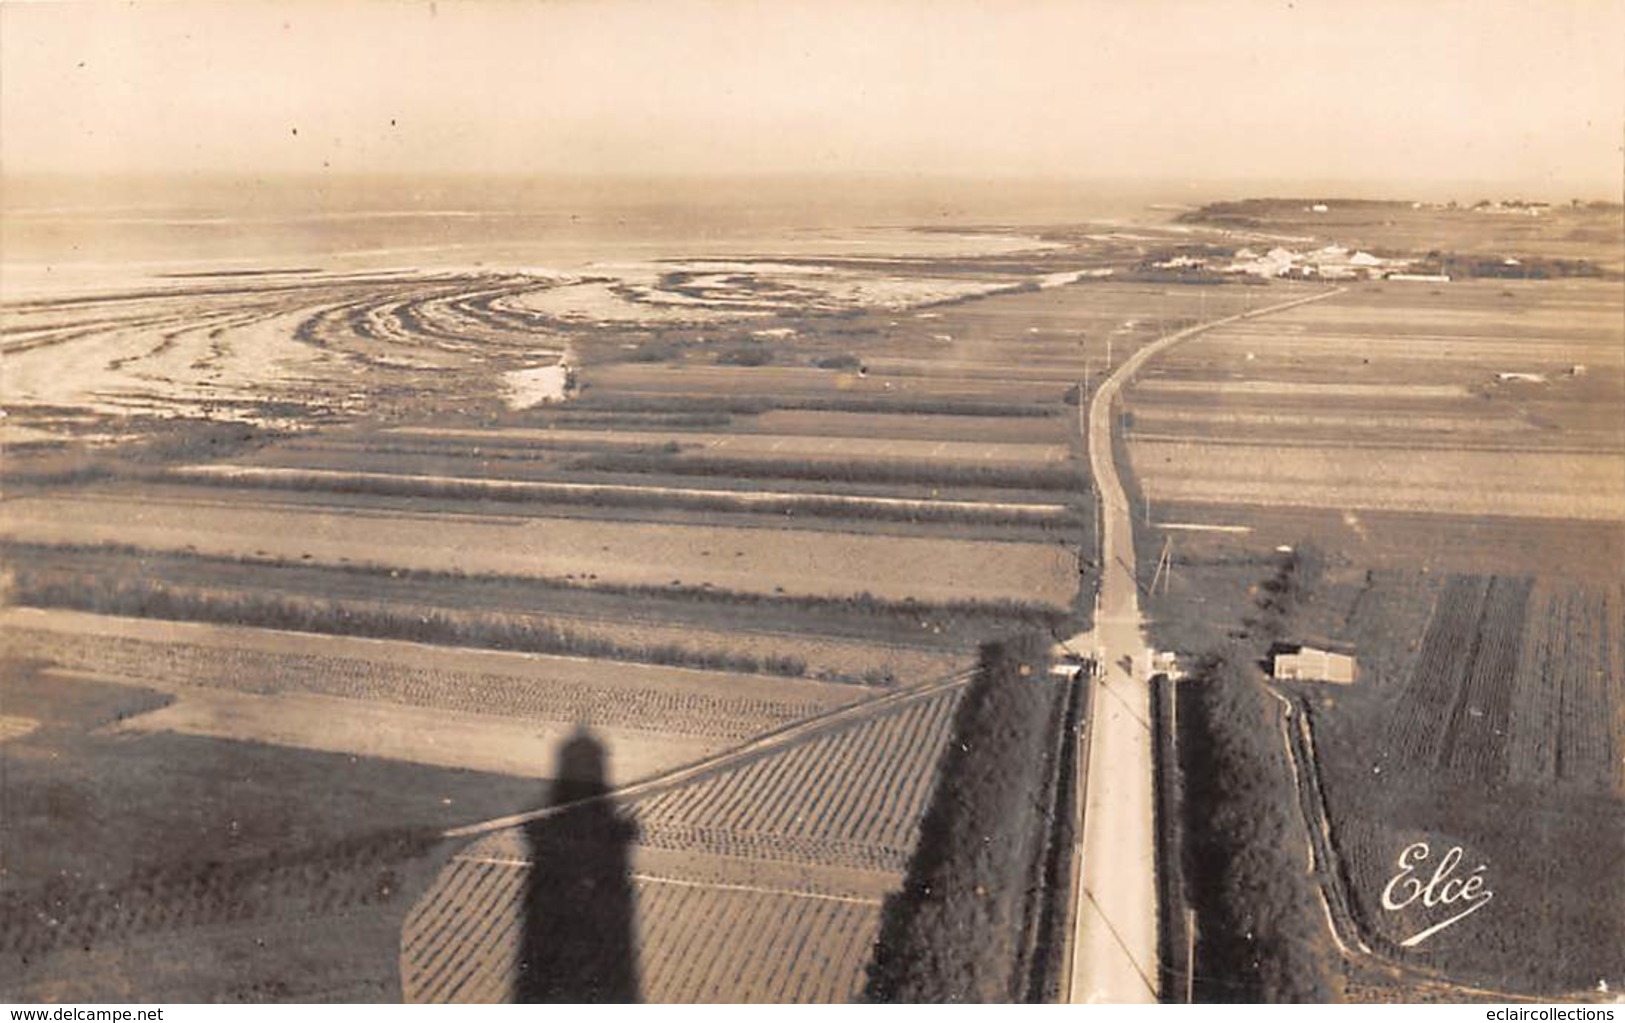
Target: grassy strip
[[596, 419], [1047, 477], [538, 492], [159, 443], [145, 598], [957, 931], [698, 404], [989, 613]]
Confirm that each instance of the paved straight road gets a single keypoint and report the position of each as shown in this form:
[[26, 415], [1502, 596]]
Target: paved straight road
[[1114, 944]]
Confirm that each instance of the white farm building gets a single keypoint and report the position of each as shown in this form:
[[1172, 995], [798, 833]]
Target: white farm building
[[1311, 665]]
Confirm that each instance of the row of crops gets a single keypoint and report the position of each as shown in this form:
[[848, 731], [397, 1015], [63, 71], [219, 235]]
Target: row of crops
[[1568, 715], [1417, 732], [1517, 680], [848, 798], [694, 943], [861, 787]]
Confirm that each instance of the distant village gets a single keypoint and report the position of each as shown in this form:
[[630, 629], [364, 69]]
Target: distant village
[[1334, 262]]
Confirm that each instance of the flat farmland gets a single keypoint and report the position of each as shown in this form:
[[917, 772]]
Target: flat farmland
[[482, 710], [1512, 694], [787, 445], [1202, 535], [1046, 340], [1487, 715], [1040, 430], [1028, 347], [837, 640], [1266, 422], [1518, 682], [1449, 462], [144, 866], [887, 488], [763, 882], [908, 480], [1568, 310], [701, 381], [512, 746], [695, 941], [1550, 345], [569, 689], [750, 560], [1389, 398], [1544, 484]]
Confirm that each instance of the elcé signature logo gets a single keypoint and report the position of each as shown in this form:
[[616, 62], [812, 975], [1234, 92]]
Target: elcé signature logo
[[1444, 888]]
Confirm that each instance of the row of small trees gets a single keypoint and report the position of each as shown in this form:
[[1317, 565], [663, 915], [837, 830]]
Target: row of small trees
[[957, 930], [1262, 933]]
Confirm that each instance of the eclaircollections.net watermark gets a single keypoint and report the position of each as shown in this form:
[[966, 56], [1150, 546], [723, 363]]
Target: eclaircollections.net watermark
[[1444, 888]]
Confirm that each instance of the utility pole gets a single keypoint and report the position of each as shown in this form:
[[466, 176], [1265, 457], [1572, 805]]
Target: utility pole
[[1165, 566], [1083, 387]]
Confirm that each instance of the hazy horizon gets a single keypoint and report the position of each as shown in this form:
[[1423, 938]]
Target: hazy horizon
[[1186, 100]]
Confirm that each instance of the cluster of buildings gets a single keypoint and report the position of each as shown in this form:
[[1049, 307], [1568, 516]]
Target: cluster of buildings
[[1334, 262], [1513, 207], [1287, 664]]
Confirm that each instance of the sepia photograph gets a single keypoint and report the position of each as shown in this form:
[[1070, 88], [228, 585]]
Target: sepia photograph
[[821, 501]]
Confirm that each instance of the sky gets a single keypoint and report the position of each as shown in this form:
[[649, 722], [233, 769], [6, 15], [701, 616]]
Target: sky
[[1515, 97]]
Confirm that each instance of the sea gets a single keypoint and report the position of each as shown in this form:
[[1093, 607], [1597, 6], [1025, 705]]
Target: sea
[[62, 234]]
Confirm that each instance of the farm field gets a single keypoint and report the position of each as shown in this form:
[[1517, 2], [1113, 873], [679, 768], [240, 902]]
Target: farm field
[[340, 517], [248, 551], [1512, 694], [805, 506], [785, 444], [785, 860], [1044, 430], [1383, 398], [556, 478], [1464, 534], [1487, 716], [751, 560], [1534, 484], [329, 692], [835, 639], [149, 910]]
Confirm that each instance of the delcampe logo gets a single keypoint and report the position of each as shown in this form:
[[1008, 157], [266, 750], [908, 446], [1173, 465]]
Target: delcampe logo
[[1444, 889]]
